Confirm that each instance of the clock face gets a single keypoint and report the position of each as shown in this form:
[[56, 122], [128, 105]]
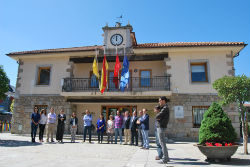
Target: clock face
[[116, 39]]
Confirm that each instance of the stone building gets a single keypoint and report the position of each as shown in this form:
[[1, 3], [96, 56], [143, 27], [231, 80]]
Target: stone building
[[181, 71]]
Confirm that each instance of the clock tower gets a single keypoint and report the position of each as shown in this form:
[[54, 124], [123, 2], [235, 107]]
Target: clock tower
[[118, 37]]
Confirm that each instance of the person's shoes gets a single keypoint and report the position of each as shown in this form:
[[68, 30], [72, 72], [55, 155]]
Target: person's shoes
[[143, 148], [164, 161], [52, 141], [157, 158]]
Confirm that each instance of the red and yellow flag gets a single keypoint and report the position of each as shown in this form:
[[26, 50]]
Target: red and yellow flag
[[104, 79]]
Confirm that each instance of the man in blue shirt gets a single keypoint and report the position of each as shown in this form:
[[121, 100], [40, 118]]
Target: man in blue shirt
[[87, 125], [35, 118], [144, 121]]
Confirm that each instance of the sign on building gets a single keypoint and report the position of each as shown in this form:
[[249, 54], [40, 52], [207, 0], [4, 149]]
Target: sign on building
[[178, 112]]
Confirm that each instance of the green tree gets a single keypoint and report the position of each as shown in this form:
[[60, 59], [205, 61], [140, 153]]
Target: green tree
[[4, 83], [12, 106], [235, 89], [216, 127]]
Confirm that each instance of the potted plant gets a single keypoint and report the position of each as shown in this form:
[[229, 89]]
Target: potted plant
[[217, 136]]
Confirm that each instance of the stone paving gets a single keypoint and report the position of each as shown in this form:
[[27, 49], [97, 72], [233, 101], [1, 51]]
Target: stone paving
[[18, 151]]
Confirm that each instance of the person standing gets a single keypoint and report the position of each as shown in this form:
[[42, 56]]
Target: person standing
[[60, 126], [139, 130], [134, 128], [144, 121], [73, 127], [35, 118], [110, 129], [118, 126], [51, 123], [159, 149], [42, 124], [87, 125], [100, 127], [162, 119], [127, 132]]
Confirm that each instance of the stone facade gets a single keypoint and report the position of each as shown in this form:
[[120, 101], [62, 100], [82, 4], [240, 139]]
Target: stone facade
[[24, 106], [180, 128]]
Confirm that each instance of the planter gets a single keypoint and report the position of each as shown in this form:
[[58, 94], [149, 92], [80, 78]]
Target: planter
[[218, 153]]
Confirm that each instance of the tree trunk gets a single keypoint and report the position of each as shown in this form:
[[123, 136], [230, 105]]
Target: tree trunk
[[244, 129]]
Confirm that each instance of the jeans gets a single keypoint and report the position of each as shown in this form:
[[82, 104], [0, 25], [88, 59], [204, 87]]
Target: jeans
[[41, 131], [140, 137], [162, 141], [33, 131], [145, 138], [118, 130], [87, 128], [159, 149]]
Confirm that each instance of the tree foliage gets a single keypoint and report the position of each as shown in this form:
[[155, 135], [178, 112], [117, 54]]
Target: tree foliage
[[233, 89], [4, 83], [12, 106], [216, 127]]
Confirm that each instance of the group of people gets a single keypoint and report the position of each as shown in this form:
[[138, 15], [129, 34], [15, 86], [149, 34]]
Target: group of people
[[135, 127], [42, 119]]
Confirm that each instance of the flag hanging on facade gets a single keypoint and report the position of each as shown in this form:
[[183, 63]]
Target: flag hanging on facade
[[104, 79], [125, 74], [95, 68], [116, 71]]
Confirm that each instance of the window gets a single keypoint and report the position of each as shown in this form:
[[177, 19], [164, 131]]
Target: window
[[40, 107], [111, 84], [43, 76], [198, 112], [199, 72], [94, 83], [145, 78]]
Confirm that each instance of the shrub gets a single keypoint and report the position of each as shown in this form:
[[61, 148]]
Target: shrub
[[216, 127]]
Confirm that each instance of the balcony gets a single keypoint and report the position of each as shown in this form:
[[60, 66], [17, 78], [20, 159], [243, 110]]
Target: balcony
[[136, 84]]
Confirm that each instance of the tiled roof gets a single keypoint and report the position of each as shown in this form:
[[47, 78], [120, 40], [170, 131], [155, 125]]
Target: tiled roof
[[145, 45], [188, 44], [74, 49]]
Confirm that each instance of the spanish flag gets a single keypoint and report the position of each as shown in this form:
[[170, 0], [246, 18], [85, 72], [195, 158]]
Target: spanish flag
[[104, 78]]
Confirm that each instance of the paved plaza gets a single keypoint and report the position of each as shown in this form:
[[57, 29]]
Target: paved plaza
[[18, 151]]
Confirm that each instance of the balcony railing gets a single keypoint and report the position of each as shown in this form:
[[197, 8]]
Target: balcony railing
[[136, 84]]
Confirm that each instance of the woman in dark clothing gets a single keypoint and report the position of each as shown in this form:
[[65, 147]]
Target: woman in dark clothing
[[60, 126], [100, 127]]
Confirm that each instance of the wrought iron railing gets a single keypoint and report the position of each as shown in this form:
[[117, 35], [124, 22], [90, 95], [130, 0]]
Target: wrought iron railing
[[136, 84]]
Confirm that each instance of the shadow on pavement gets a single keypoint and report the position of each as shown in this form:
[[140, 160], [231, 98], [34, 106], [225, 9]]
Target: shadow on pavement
[[187, 161], [235, 162], [17, 143]]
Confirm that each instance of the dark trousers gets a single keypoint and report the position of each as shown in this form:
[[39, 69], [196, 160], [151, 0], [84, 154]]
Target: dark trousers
[[134, 135], [33, 131], [87, 128], [100, 136], [41, 131]]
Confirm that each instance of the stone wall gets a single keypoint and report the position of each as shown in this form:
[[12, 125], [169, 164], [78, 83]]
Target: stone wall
[[24, 106], [182, 128]]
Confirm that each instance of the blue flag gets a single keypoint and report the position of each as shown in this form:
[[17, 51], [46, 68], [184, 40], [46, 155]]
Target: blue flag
[[125, 74]]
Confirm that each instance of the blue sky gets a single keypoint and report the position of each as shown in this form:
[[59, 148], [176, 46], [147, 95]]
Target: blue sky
[[45, 24]]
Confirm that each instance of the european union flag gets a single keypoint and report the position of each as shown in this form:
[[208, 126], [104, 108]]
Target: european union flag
[[125, 74]]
